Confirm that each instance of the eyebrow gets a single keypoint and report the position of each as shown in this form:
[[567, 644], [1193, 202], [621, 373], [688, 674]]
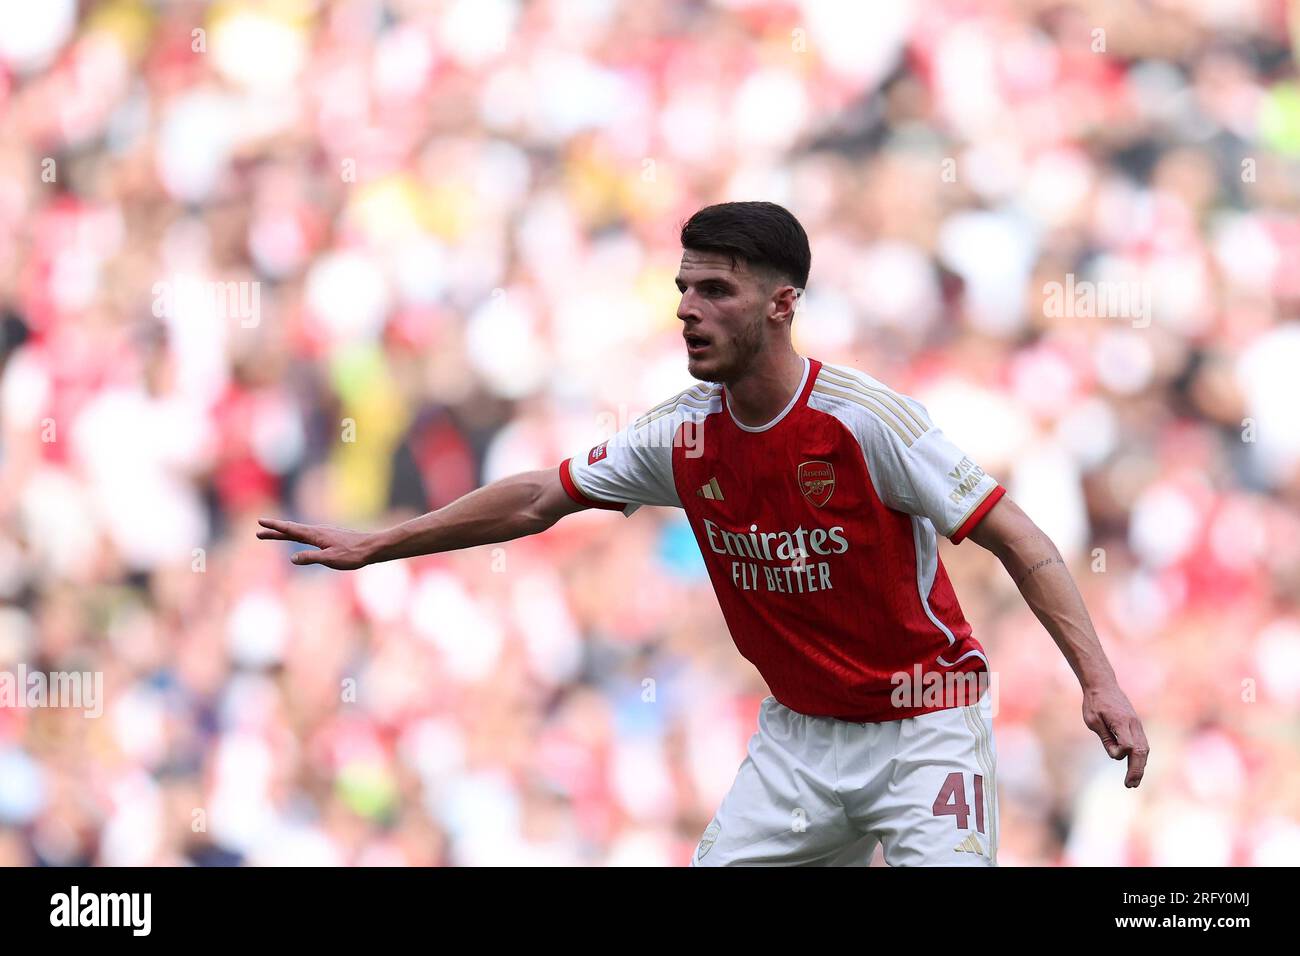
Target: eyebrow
[[710, 280]]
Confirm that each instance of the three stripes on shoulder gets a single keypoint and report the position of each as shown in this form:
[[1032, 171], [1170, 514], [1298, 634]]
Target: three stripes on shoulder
[[836, 382], [698, 397]]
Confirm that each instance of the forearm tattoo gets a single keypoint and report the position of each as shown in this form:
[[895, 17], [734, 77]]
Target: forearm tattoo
[[1035, 568]]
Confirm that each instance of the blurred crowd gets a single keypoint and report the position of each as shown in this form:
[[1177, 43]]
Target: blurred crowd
[[344, 262]]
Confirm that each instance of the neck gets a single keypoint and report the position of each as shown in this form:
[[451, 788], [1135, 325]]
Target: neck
[[766, 388]]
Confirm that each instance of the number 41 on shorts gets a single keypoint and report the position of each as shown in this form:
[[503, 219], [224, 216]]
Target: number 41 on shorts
[[952, 801]]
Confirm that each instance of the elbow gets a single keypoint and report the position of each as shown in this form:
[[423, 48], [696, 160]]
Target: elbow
[[535, 513], [544, 506], [1011, 535]]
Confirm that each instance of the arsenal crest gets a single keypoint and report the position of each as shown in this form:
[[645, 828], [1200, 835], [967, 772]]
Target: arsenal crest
[[597, 453], [817, 481]]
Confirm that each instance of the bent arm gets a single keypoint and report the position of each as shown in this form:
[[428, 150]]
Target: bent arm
[[1045, 583]]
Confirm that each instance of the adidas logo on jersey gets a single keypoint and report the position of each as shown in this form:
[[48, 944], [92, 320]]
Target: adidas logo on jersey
[[968, 845], [711, 491]]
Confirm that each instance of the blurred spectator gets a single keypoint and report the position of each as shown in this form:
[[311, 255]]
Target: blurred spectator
[[348, 260]]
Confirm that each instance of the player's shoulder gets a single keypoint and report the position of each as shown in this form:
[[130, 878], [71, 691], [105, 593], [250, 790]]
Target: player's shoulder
[[695, 402], [868, 406]]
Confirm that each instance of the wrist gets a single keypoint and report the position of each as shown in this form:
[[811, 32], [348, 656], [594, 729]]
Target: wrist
[[1097, 680], [375, 546]]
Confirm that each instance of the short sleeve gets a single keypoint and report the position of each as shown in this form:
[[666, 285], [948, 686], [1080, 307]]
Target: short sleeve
[[631, 469], [918, 470]]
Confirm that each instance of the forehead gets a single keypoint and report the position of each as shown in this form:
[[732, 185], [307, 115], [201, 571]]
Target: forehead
[[699, 265]]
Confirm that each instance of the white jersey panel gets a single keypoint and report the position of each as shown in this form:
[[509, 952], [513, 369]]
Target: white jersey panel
[[635, 466], [914, 467]]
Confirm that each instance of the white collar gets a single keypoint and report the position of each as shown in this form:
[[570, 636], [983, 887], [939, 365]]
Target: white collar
[[784, 412]]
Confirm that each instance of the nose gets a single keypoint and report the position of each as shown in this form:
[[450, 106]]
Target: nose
[[686, 307]]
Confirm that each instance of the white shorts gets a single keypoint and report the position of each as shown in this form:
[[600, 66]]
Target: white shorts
[[815, 791]]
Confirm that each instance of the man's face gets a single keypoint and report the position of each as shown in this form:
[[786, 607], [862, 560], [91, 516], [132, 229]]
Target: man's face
[[723, 312]]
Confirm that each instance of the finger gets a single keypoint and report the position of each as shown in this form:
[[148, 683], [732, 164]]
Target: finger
[[1137, 759], [299, 532], [284, 527], [1137, 765], [293, 531], [323, 556], [1114, 748], [1122, 733], [268, 535]]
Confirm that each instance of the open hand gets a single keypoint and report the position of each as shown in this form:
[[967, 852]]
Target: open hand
[[340, 549]]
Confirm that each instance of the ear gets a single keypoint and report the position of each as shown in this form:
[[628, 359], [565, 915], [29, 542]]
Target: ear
[[784, 300]]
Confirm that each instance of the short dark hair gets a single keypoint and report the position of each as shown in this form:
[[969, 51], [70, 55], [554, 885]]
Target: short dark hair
[[762, 234]]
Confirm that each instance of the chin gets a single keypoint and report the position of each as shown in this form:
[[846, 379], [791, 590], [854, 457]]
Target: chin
[[703, 369]]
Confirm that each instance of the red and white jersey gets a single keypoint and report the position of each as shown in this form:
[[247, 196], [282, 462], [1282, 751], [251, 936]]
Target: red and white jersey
[[819, 530]]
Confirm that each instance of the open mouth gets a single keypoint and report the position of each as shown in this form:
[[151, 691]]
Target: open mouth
[[695, 343]]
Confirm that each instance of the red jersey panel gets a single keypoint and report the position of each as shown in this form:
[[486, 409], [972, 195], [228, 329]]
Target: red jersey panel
[[819, 532]]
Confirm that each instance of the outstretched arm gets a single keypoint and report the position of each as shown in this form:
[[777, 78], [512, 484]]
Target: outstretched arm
[[510, 508], [1039, 571]]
